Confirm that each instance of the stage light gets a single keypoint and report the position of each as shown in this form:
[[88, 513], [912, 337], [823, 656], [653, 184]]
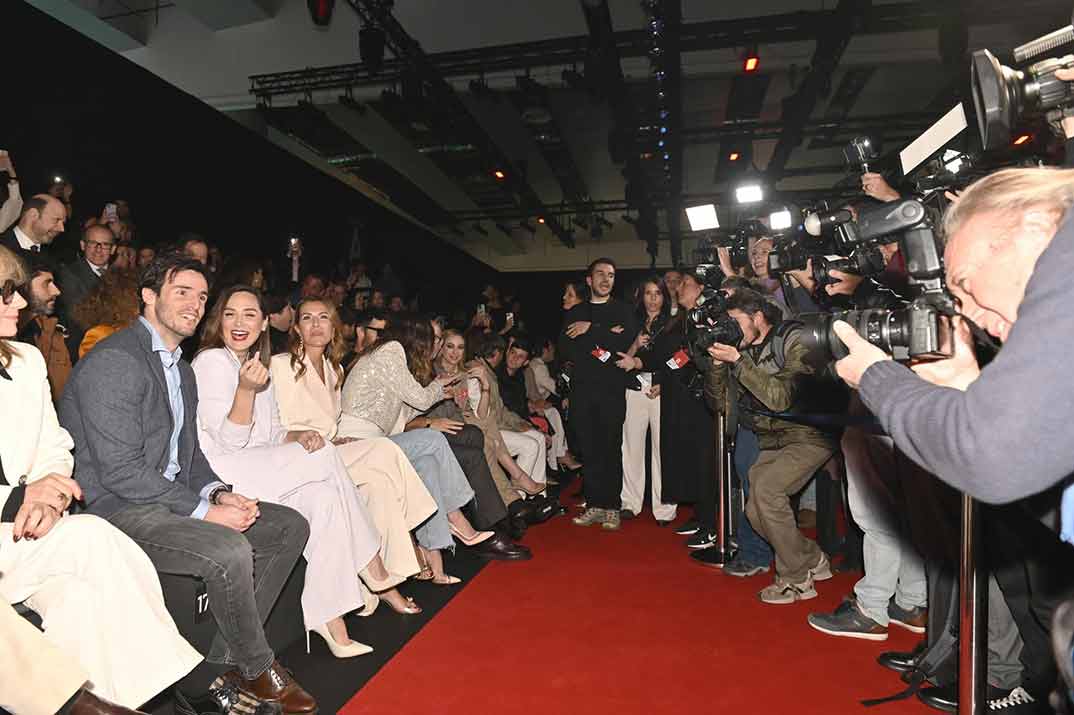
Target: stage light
[[321, 11], [702, 218], [749, 193], [734, 156], [540, 219], [1022, 139], [751, 60], [500, 176], [780, 220]]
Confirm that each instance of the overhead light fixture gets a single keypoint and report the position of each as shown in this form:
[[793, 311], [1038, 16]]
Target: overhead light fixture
[[1022, 139], [321, 11], [500, 176], [780, 220], [750, 193], [751, 60], [734, 156], [540, 220], [702, 218]]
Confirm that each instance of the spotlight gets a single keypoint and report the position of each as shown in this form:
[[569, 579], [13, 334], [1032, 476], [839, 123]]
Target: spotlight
[[702, 218], [1023, 139], [321, 11], [734, 156], [780, 220], [500, 176], [749, 193], [751, 61], [540, 220]]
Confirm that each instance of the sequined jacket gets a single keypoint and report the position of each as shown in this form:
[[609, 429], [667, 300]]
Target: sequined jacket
[[380, 384]]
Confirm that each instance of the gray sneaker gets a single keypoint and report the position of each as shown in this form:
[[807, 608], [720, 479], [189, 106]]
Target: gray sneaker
[[589, 517], [823, 570], [611, 520], [743, 569]]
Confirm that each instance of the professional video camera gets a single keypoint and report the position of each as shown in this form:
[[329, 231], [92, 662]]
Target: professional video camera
[[922, 330], [708, 323], [1003, 95], [736, 241]]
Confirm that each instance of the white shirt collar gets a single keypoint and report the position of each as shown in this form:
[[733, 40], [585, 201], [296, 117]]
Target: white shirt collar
[[99, 270], [25, 241]]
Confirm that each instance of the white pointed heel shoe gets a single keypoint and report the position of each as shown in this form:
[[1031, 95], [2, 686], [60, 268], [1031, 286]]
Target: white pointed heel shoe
[[354, 648]]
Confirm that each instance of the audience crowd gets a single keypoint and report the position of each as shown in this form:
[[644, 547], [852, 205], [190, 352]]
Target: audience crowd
[[179, 412]]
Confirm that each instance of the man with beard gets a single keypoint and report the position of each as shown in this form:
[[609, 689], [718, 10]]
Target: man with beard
[[596, 334], [39, 326], [130, 407]]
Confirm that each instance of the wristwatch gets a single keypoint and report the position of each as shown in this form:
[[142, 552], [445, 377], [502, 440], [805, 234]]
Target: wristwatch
[[214, 495]]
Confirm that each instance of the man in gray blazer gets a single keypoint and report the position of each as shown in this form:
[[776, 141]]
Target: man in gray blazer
[[130, 406]]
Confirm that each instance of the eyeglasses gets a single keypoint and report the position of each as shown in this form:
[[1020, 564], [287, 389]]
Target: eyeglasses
[[8, 290], [99, 244]]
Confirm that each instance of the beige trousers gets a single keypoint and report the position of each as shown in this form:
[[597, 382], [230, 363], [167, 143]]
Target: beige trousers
[[394, 495], [100, 604]]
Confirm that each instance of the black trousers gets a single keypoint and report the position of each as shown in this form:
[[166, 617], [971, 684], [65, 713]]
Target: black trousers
[[598, 413], [468, 446]]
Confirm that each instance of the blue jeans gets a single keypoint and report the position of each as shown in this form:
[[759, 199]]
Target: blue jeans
[[431, 456], [751, 547]]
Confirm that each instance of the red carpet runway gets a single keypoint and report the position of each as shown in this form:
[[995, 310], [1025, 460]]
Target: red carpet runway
[[606, 622]]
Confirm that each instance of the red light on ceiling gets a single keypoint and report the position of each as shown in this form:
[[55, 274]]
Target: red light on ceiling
[[735, 156], [1022, 139], [540, 219], [499, 175], [752, 63]]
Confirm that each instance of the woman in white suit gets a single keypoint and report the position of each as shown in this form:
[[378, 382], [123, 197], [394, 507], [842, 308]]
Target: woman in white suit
[[96, 591], [241, 434], [307, 384]]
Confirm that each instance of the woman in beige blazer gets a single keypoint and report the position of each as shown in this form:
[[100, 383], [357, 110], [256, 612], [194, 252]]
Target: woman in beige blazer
[[97, 593], [307, 380]]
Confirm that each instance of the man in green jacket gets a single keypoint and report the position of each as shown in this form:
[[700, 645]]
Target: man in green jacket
[[769, 372]]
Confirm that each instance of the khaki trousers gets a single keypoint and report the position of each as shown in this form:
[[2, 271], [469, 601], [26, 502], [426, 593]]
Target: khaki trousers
[[774, 477], [37, 677]]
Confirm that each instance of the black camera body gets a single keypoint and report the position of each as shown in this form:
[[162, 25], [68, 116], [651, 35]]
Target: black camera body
[[863, 261], [923, 329], [709, 323]]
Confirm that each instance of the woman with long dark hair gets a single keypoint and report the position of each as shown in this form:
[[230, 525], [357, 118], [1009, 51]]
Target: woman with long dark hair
[[307, 381], [653, 306], [240, 433], [387, 377]]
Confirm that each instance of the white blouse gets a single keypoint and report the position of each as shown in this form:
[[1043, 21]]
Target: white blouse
[[217, 372]]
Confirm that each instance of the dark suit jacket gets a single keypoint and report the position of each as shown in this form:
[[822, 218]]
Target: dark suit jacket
[[75, 279], [8, 240], [115, 406]]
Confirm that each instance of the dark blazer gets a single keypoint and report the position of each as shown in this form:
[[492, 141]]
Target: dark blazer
[[8, 240], [75, 279], [116, 408]]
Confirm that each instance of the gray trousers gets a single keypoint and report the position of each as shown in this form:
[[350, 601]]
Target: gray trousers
[[892, 565], [243, 572], [429, 452]]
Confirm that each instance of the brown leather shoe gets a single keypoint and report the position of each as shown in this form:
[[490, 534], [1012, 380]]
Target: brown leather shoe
[[86, 703], [276, 685]]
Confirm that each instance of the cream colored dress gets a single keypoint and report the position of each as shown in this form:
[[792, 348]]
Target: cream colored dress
[[390, 488], [96, 591]]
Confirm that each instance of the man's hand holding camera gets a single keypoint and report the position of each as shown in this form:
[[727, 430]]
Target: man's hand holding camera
[[724, 353]]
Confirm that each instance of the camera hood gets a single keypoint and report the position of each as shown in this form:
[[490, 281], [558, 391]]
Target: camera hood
[[995, 97]]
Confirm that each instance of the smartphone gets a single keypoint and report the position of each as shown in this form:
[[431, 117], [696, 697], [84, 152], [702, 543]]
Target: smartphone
[[480, 308], [510, 317], [110, 213]]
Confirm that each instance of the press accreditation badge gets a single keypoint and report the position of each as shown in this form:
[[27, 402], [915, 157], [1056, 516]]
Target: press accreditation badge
[[601, 354], [678, 360]]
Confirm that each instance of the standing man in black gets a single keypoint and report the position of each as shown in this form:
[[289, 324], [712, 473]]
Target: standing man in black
[[41, 221], [594, 335]]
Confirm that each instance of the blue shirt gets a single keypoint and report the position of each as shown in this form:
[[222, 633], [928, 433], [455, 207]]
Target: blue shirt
[[169, 359]]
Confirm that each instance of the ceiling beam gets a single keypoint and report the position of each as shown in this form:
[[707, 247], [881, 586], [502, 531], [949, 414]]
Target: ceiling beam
[[120, 34], [573, 51], [445, 105]]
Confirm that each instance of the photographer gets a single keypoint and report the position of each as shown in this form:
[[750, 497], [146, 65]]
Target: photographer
[[1002, 433], [752, 382]]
